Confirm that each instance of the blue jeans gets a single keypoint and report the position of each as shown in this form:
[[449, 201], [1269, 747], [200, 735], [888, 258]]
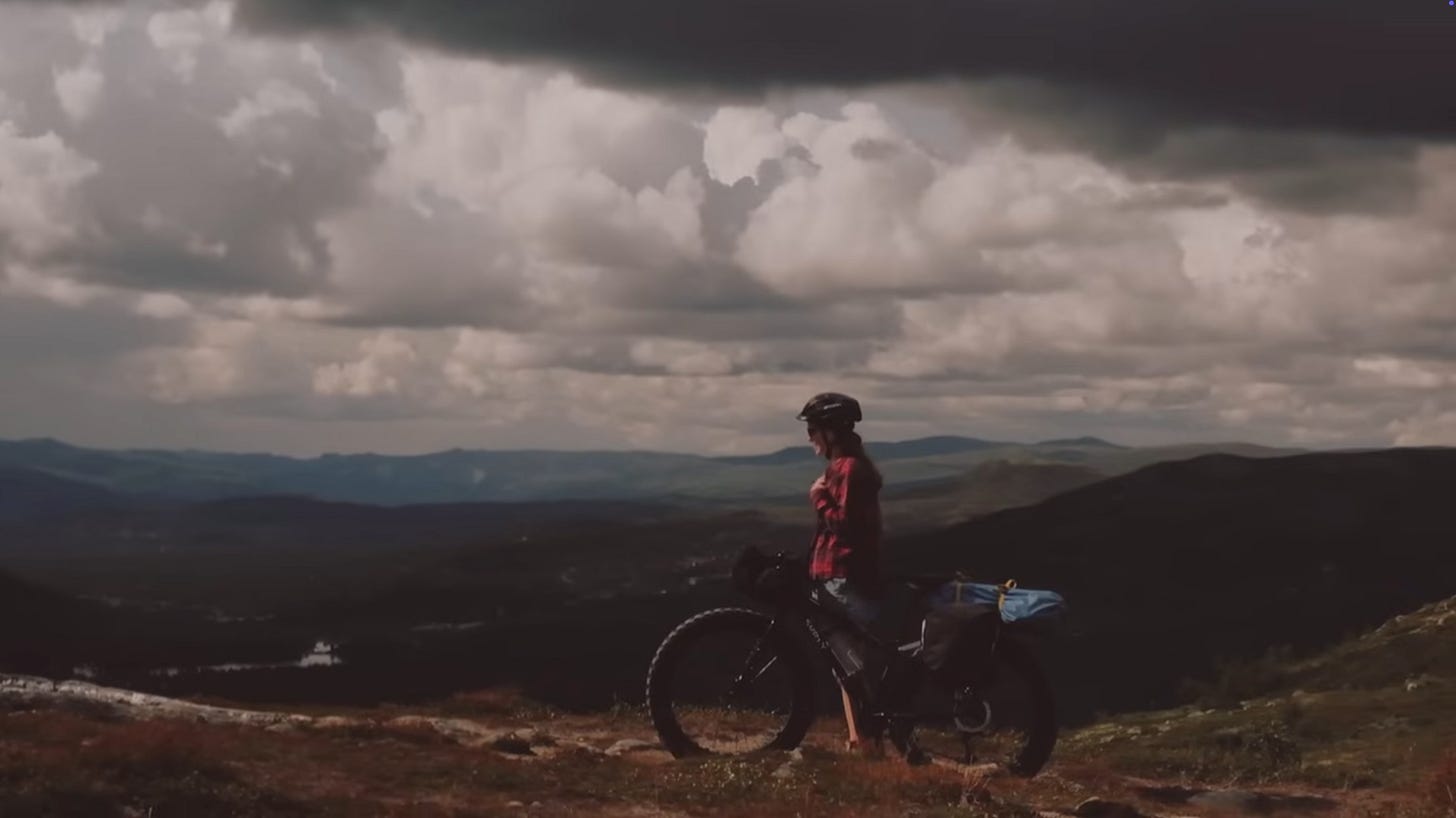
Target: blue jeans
[[864, 611]]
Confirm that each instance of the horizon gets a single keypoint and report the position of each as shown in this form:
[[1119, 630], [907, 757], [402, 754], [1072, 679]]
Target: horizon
[[243, 225], [711, 456]]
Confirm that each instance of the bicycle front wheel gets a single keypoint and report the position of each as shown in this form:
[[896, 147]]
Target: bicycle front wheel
[[725, 682]]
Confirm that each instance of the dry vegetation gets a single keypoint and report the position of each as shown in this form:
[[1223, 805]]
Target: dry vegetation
[[57, 762], [1370, 731], [87, 764], [1441, 783]]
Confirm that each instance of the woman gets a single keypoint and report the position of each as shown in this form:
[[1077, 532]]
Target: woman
[[845, 557]]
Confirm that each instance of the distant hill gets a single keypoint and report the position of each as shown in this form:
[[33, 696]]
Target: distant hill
[[905, 449], [990, 487], [459, 476], [1081, 441], [31, 494], [1181, 564]]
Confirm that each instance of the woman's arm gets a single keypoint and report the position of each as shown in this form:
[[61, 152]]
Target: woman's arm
[[842, 504]]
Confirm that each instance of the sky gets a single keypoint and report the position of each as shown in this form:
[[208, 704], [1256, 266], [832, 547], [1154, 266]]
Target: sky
[[378, 225]]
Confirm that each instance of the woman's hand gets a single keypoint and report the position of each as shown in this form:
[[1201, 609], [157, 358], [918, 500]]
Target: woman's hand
[[819, 491]]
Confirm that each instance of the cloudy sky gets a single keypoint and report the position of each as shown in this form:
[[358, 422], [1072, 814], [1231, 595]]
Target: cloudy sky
[[348, 225]]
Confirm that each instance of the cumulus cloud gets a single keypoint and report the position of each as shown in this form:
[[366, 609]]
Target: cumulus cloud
[[739, 139], [211, 160], [38, 200], [1431, 426], [78, 89], [298, 242], [373, 373]]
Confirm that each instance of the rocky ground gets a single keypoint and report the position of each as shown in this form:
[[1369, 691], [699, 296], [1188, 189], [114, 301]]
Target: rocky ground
[[76, 749]]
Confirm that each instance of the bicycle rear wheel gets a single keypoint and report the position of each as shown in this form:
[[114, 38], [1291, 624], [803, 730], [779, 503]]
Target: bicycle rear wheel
[[724, 682], [1008, 719]]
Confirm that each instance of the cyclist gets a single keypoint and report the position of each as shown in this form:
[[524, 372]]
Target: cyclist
[[844, 560]]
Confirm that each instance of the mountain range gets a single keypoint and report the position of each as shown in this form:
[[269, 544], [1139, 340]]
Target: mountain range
[[1172, 570], [527, 475]]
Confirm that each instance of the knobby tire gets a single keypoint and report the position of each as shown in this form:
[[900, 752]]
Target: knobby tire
[[668, 664]]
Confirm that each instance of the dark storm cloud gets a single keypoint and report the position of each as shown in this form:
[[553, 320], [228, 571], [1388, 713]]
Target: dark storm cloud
[[1299, 167], [1345, 65]]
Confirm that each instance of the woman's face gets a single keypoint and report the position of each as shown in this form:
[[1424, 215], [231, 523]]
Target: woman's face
[[819, 438]]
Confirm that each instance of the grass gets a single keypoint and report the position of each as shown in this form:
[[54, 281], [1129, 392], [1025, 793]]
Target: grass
[[61, 764], [1374, 711], [1339, 738]]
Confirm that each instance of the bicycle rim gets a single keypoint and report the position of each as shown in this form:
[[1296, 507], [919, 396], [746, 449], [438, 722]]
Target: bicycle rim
[[726, 685]]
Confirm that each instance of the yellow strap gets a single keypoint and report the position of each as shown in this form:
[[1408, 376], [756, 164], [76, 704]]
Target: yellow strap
[[1006, 586]]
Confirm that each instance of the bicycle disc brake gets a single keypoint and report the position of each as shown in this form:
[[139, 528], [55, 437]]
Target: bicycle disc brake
[[972, 713]]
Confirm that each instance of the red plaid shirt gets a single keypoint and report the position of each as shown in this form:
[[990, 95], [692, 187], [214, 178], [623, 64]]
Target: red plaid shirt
[[847, 542]]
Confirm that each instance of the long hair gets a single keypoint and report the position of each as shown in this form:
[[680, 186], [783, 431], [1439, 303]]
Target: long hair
[[848, 443]]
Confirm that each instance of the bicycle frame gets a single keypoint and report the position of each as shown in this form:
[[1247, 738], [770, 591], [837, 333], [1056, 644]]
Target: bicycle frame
[[897, 658]]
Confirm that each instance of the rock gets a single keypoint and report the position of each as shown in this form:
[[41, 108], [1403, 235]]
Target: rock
[[516, 804], [335, 723], [786, 770], [1232, 800], [630, 745], [1101, 808], [1167, 793]]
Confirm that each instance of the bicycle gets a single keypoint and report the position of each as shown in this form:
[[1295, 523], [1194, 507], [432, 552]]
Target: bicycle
[[731, 681]]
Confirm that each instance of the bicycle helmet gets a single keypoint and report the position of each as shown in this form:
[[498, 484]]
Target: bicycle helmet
[[831, 409]]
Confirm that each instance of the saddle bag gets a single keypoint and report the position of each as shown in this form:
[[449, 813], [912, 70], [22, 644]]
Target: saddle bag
[[965, 619], [956, 641]]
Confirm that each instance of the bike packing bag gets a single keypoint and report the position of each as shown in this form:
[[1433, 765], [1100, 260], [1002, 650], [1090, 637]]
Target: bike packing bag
[[769, 579], [748, 568], [1032, 606], [956, 641], [1016, 604]]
